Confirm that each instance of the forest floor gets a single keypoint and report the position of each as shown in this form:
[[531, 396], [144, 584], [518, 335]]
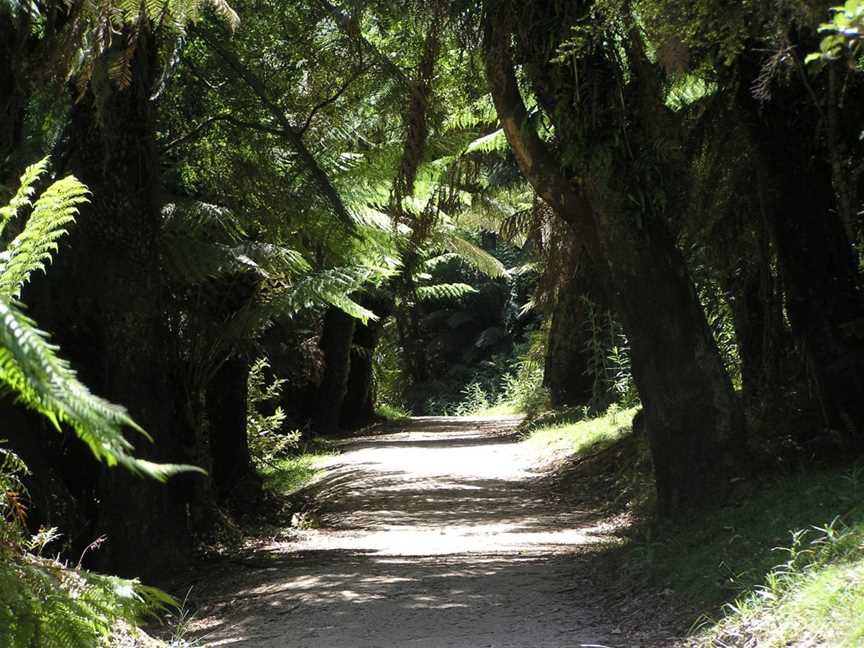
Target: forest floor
[[442, 532]]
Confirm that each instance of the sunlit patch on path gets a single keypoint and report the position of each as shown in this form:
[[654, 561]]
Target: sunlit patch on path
[[437, 535]]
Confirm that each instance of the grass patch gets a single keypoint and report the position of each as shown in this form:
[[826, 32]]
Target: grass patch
[[788, 554], [289, 474], [501, 409], [554, 436], [815, 596], [392, 413]]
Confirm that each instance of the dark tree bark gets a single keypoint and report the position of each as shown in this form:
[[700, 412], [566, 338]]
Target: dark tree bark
[[693, 419], [104, 301], [336, 337], [694, 422], [823, 295], [764, 345], [12, 98], [358, 408], [234, 476], [824, 300], [568, 355]]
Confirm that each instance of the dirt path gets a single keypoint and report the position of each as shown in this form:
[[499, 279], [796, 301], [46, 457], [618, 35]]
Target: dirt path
[[439, 535]]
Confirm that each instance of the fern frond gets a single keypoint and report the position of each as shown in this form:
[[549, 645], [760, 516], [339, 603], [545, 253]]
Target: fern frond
[[434, 262], [517, 225], [22, 197], [201, 220], [30, 367], [329, 287], [192, 262], [495, 142], [474, 256], [276, 261], [45, 603], [31, 250], [444, 291]]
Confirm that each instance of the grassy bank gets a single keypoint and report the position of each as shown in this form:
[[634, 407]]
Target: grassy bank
[[563, 435], [793, 554], [781, 564], [289, 474]]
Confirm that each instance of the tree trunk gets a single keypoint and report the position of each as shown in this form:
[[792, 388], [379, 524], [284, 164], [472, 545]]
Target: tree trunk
[[823, 296], [413, 345], [11, 94], [693, 419], [568, 355], [234, 477], [336, 337], [106, 308], [358, 408], [824, 300]]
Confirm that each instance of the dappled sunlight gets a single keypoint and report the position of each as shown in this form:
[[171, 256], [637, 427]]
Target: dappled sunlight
[[441, 532]]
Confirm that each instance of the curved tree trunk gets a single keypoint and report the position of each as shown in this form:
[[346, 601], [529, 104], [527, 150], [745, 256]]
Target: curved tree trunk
[[693, 419]]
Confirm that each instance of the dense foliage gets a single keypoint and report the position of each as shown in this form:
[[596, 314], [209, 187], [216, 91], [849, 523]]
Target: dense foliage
[[298, 211]]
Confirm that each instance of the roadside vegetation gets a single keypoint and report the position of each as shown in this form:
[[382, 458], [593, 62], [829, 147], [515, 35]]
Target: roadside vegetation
[[232, 230], [782, 563]]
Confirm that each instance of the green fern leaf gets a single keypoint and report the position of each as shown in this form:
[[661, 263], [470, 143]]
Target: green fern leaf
[[474, 256], [444, 291], [31, 250], [21, 199], [44, 382]]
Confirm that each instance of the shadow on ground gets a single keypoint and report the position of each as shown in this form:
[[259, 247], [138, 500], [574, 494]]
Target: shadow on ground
[[442, 534]]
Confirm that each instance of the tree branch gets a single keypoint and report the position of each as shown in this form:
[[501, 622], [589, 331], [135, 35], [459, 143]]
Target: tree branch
[[222, 117], [331, 99], [346, 24], [292, 137], [538, 164]]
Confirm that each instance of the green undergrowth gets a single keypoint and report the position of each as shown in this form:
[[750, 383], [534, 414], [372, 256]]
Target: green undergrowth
[[501, 409], [782, 565], [289, 474], [392, 413], [47, 603], [572, 433]]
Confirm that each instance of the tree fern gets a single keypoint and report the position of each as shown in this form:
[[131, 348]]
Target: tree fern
[[201, 240], [474, 256], [334, 287], [47, 604]]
